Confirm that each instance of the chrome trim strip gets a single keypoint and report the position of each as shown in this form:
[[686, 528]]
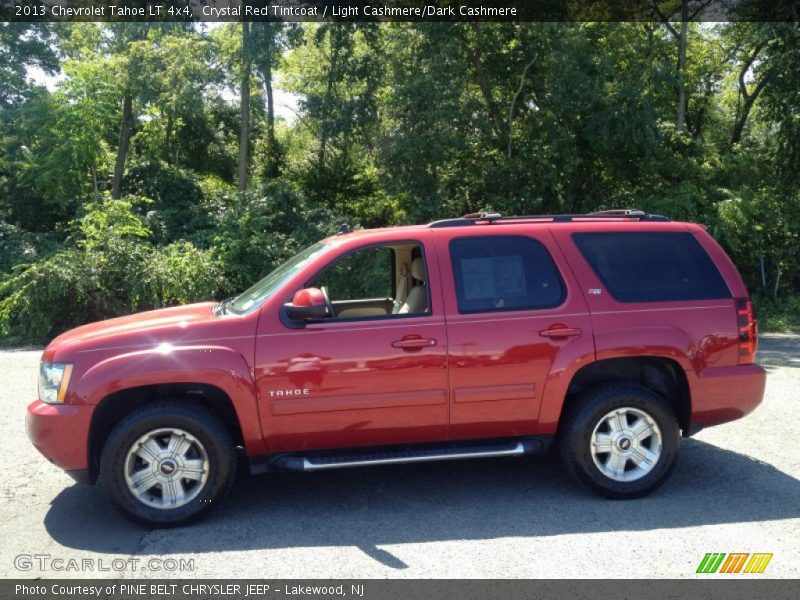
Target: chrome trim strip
[[515, 451]]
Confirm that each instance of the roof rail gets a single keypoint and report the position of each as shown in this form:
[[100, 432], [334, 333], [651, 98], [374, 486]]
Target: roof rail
[[618, 212], [629, 214], [468, 219]]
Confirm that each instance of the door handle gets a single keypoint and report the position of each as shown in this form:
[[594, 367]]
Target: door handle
[[558, 331], [415, 343]]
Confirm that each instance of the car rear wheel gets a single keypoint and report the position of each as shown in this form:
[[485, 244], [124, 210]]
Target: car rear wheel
[[168, 464], [620, 439]]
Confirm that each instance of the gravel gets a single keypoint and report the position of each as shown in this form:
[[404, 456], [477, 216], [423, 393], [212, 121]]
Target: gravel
[[735, 489]]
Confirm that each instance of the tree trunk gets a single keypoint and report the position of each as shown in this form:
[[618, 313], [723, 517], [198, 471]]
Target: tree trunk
[[333, 67], [777, 284], [244, 102], [270, 104], [517, 96], [272, 144], [680, 123], [168, 137], [122, 145], [741, 121], [475, 57], [749, 97]]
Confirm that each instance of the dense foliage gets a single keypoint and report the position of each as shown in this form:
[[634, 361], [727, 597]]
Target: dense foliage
[[155, 170]]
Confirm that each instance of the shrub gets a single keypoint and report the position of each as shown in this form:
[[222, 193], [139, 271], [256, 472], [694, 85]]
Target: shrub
[[176, 274], [176, 207], [112, 269], [760, 227], [51, 296], [777, 314], [20, 247], [256, 231]]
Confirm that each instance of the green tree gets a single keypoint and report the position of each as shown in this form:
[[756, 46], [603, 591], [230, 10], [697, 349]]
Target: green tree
[[22, 46]]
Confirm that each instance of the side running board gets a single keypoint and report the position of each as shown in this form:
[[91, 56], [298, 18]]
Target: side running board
[[405, 454]]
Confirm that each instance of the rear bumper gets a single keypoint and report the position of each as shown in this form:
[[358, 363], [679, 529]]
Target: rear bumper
[[725, 394], [60, 432]]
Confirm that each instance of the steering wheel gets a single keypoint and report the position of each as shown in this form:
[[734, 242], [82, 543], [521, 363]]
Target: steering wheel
[[328, 303]]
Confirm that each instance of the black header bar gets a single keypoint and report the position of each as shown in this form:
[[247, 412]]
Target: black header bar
[[399, 10]]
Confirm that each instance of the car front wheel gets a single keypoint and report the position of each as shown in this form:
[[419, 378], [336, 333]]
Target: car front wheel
[[620, 439], [168, 464]]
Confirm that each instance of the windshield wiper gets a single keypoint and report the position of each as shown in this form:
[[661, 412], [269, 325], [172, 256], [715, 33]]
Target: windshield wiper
[[222, 307]]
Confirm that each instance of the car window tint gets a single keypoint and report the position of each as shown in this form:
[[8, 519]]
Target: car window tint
[[496, 273], [652, 267]]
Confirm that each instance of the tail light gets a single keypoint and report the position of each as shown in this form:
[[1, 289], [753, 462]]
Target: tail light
[[748, 331]]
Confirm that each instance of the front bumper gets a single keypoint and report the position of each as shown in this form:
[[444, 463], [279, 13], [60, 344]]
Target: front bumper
[[61, 433], [725, 394]]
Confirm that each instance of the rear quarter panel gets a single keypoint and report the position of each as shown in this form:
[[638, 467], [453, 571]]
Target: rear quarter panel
[[701, 335]]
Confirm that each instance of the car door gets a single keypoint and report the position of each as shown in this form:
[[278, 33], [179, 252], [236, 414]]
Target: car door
[[366, 376], [515, 320]]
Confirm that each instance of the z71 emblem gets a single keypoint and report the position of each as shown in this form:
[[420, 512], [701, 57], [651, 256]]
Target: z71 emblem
[[595, 291]]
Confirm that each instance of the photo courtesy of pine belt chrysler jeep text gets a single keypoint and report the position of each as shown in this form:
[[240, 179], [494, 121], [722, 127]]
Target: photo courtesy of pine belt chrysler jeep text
[[611, 334]]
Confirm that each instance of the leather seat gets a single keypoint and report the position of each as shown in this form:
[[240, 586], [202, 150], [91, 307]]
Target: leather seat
[[417, 300]]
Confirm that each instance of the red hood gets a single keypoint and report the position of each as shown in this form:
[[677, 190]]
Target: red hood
[[180, 323]]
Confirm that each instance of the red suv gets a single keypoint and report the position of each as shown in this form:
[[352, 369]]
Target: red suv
[[612, 334]]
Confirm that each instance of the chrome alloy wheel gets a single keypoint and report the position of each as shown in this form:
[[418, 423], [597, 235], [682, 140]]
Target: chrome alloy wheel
[[166, 468], [626, 444]]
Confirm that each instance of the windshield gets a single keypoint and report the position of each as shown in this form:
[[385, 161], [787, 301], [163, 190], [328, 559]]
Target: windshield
[[262, 290]]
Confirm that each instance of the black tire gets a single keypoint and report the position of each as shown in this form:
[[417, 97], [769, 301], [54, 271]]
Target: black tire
[[213, 439], [588, 412]]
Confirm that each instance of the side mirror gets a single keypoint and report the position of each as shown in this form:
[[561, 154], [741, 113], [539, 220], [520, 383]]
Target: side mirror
[[306, 304]]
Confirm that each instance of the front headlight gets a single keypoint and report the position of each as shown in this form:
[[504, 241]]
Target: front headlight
[[53, 382]]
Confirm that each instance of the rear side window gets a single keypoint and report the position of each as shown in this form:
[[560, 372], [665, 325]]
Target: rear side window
[[652, 267], [497, 273]]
